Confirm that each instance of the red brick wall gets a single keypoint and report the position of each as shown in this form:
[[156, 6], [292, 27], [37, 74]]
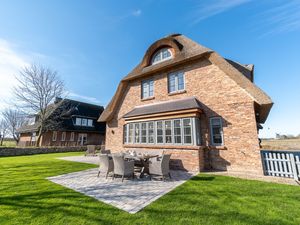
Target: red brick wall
[[221, 97], [92, 138]]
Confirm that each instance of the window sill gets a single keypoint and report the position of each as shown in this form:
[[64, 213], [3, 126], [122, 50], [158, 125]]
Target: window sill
[[177, 92], [147, 99], [222, 147], [185, 147]]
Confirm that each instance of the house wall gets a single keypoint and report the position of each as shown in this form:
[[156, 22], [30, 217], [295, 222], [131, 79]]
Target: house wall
[[25, 139], [221, 97], [92, 139]]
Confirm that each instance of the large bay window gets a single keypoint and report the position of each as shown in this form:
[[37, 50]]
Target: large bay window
[[183, 131]]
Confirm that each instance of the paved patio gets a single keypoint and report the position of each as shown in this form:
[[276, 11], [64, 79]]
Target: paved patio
[[130, 196]]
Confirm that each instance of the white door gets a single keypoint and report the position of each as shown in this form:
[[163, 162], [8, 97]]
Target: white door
[[82, 139]]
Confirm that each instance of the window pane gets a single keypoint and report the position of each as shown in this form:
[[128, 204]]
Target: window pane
[[84, 122], [78, 121], [172, 86], [90, 122], [177, 131], [159, 131], [180, 81], [125, 133], [137, 133], [130, 135], [187, 131], [216, 131], [151, 94], [168, 132], [143, 132], [151, 132]]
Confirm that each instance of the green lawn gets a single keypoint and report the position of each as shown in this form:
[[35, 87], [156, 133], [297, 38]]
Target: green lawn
[[26, 197], [8, 144]]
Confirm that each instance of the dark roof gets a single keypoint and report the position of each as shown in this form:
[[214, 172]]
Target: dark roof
[[167, 106], [67, 110]]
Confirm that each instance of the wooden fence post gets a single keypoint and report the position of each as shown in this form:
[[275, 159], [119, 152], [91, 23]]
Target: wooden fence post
[[294, 168]]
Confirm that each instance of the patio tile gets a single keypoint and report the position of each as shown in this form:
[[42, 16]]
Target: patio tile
[[130, 196]]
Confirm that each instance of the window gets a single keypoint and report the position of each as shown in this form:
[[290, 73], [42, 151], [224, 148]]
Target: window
[[144, 133], [216, 131], [151, 134], [78, 121], [176, 82], [184, 131], [130, 135], [63, 136], [177, 131], [72, 136], [54, 135], [83, 122], [161, 55], [187, 131], [147, 89], [33, 136], [90, 123], [136, 133], [168, 132], [159, 132]]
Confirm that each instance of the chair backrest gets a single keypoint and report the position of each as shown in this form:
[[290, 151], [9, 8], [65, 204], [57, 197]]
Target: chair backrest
[[105, 151], [91, 148], [165, 162], [104, 162], [119, 163]]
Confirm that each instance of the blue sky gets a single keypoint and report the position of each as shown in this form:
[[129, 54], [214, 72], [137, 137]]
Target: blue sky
[[93, 44]]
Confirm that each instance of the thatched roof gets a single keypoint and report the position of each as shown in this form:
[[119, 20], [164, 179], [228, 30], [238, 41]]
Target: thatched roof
[[186, 50]]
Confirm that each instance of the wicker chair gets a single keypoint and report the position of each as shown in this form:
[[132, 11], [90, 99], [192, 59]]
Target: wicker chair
[[106, 165], [160, 166], [91, 150], [122, 167]]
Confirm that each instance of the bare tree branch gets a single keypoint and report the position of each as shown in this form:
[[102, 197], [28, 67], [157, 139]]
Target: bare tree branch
[[37, 90]]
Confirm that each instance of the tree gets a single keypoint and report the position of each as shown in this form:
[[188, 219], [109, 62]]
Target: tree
[[37, 90], [14, 119], [3, 130]]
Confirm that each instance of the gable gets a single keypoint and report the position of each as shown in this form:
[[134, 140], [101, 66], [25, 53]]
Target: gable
[[186, 50]]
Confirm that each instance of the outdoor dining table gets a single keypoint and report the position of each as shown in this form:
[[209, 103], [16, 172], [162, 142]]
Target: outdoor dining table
[[141, 160]]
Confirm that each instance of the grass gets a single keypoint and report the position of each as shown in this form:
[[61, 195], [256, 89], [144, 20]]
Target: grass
[[26, 197], [8, 144], [281, 144]]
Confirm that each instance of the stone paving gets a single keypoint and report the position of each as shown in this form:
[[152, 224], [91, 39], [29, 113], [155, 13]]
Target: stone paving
[[130, 196]]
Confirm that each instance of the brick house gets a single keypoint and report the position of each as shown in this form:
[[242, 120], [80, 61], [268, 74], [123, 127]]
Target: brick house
[[187, 100], [77, 125]]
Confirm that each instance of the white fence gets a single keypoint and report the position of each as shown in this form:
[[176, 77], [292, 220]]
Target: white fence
[[281, 163]]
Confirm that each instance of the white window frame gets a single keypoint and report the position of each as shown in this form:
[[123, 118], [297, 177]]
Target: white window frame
[[148, 85], [63, 136], [77, 119], [176, 75], [54, 135], [72, 135], [211, 131], [90, 123], [195, 132], [160, 52]]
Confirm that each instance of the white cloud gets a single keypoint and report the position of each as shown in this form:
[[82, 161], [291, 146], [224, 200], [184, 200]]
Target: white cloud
[[84, 98], [11, 61], [282, 17], [206, 9], [137, 12]]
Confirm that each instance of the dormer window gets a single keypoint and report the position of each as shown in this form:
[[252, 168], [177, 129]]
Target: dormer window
[[161, 55]]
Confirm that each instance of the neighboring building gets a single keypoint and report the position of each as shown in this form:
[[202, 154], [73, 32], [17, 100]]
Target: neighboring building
[[187, 100], [77, 125]]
